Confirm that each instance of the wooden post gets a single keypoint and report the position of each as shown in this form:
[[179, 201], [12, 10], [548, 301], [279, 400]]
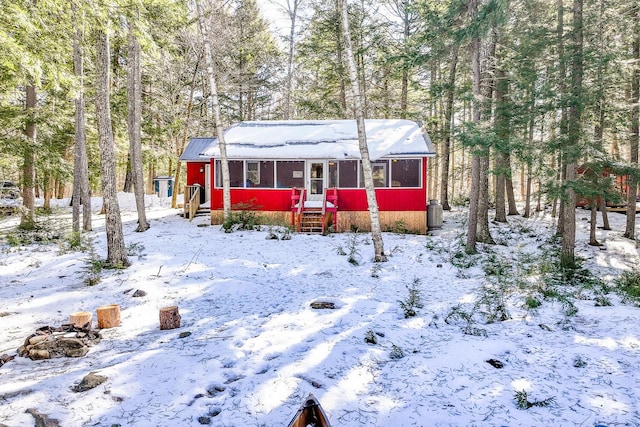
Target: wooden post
[[169, 317], [108, 316], [80, 318]]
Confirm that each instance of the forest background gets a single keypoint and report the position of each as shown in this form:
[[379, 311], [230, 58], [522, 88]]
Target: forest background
[[517, 96]]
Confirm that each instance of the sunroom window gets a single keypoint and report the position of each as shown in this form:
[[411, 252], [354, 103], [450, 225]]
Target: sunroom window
[[343, 174], [405, 172]]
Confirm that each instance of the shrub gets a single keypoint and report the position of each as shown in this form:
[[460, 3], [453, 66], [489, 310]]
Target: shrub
[[413, 300], [522, 401], [628, 286], [244, 218], [396, 352]]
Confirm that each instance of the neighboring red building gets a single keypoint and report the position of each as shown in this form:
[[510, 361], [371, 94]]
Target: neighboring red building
[[276, 164]]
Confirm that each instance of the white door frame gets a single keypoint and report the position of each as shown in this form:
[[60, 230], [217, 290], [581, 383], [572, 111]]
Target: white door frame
[[207, 181], [315, 186]]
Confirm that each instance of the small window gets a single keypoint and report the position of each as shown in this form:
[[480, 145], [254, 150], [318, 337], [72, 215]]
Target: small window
[[253, 174]]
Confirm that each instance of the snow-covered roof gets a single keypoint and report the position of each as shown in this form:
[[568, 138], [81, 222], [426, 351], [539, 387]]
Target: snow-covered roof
[[195, 147], [321, 139]]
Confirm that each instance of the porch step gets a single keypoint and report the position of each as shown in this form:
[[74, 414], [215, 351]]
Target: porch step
[[199, 212], [311, 222]]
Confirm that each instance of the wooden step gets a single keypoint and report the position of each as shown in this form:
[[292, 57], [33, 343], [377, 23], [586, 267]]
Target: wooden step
[[311, 222]]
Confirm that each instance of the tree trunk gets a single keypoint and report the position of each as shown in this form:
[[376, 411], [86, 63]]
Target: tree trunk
[[127, 187], [482, 54], [448, 127], [574, 133], [134, 116], [605, 215], [340, 59], [404, 83], [116, 252], [634, 129], [527, 204], [472, 226], [487, 67], [27, 219], [81, 195], [593, 223], [292, 11], [511, 199], [211, 74], [502, 132], [185, 134], [376, 232], [562, 77]]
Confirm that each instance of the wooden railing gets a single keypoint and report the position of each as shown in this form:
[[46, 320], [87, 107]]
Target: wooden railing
[[298, 197], [330, 196], [192, 193]]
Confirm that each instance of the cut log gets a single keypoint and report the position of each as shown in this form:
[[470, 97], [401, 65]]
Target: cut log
[[80, 318], [169, 317], [108, 316]]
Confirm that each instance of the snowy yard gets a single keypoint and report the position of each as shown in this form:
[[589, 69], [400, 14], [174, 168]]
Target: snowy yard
[[256, 348]]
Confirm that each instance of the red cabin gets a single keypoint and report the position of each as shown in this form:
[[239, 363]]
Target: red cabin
[[309, 173]]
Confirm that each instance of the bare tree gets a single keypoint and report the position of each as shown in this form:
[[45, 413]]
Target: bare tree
[[134, 120], [213, 87], [116, 253], [376, 232]]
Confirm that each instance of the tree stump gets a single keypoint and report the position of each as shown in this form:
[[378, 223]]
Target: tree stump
[[169, 317], [80, 318], [108, 316]]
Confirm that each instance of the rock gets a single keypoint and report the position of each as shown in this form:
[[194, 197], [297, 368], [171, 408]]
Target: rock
[[42, 420], [323, 305], [184, 334], [35, 354], [67, 340], [72, 347], [139, 293], [91, 380], [495, 363], [204, 420], [6, 358], [37, 339]]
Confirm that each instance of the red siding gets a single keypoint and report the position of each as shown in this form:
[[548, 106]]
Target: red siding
[[271, 199], [194, 176]]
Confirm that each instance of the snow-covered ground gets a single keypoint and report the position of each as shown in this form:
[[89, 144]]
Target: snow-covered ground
[[257, 348]]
